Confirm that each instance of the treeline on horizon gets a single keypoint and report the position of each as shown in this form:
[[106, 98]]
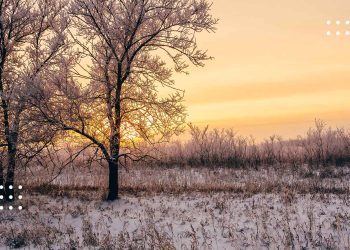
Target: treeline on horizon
[[321, 146]]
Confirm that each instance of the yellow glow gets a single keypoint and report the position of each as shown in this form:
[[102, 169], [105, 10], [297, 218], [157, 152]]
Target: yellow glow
[[275, 70]]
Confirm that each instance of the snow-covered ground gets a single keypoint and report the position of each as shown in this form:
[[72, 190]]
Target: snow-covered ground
[[184, 221]]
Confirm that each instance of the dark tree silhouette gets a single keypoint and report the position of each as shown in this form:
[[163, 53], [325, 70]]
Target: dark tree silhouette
[[121, 43], [31, 40]]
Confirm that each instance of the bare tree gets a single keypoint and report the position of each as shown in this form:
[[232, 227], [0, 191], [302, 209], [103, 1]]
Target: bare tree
[[121, 43], [31, 40]]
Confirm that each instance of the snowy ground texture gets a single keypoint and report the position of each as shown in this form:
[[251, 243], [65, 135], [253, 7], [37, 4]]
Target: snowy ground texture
[[218, 220]]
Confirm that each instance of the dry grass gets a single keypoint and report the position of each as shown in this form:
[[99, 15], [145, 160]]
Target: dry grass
[[320, 146], [213, 161], [178, 180], [191, 221], [217, 191], [272, 207]]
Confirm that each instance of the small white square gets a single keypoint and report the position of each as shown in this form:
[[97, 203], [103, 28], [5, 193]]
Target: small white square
[[10, 187], [338, 22], [338, 33], [10, 197], [1, 197], [1, 207], [10, 207], [20, 207], [19, 187], [1, 187], [329, 22], [20, 197], [347, 22]]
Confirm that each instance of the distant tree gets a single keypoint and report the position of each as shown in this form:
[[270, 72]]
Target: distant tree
[[31, 41], [121, 44]]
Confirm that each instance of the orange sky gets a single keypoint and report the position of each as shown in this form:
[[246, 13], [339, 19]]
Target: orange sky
[[275, 70]]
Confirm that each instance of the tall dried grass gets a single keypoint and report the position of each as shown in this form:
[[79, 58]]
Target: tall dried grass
[[215, 161], [321, 146]]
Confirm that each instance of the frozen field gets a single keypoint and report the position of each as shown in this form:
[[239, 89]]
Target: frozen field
[[191, 221], [184, 208]]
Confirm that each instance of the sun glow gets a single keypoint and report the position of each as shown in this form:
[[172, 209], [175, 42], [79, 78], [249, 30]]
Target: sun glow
[[274, 70]]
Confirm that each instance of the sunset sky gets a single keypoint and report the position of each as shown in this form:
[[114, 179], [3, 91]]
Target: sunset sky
[[275, 69]]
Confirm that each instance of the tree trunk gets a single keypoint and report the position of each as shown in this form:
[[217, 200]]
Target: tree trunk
[[115, 141], [10, 176], [2, 191], [113, 181]]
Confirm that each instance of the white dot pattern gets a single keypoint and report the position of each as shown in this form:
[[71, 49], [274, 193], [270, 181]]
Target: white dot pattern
[[10, 197], [338, 28]]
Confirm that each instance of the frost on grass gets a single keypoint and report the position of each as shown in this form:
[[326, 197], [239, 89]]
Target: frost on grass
[[186, 208], [195, 221]]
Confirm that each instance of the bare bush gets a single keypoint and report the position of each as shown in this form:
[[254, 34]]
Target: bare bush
[[321, 146]]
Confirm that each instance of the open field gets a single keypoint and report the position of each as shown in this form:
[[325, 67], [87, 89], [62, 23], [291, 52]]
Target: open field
[[217, 191], [185, 208], [178, 180], [191, 221], [107, 143]]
